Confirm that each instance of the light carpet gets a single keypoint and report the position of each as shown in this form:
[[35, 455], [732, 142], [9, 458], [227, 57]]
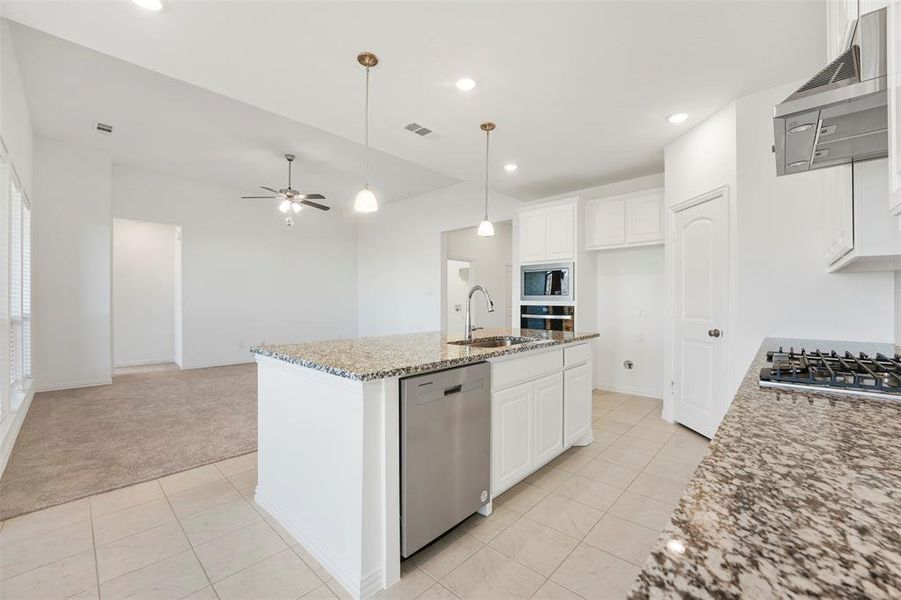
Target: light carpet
[[75, 443]]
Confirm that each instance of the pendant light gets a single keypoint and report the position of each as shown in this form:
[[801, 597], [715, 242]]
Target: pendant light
[[366, 201], [486, 229]]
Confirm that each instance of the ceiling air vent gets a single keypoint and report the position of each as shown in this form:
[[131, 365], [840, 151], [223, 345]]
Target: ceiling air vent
[[419, 130], [103, 127]]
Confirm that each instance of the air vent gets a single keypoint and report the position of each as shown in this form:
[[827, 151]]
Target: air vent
[[103, 127], [418, 129]]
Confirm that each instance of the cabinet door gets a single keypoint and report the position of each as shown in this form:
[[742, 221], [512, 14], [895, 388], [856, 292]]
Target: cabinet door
[[839, 16], [644, 219], [894, 105], [576, 404], [548, 419], [838, 202], [511, 436], [532, 236], [561, 232], [605, 223]]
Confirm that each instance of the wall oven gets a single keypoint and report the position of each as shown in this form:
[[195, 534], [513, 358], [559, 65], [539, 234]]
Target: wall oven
[[549, 283], [548, 317]]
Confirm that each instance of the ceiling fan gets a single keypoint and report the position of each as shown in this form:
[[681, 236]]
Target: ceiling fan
[[291, 199]]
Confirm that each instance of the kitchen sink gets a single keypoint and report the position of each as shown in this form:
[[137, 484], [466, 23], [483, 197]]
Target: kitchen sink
[[501, 341]]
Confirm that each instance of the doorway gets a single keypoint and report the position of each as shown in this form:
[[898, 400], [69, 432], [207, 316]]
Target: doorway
[[146, 290], [700, 258], [469, 260]]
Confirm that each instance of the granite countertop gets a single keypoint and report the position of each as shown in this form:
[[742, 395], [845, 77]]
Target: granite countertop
[[370, 358], [800, 496]]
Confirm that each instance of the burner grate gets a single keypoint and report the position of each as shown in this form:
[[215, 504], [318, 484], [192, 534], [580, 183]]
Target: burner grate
[[877, 374]]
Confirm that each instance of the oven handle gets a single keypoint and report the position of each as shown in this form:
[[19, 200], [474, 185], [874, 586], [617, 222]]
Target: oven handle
[[548, 317]]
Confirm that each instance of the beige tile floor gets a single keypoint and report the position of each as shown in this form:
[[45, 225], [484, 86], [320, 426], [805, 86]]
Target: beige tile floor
[[578, 528]]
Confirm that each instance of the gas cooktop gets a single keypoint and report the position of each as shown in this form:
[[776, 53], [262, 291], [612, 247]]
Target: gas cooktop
[[872, 375]]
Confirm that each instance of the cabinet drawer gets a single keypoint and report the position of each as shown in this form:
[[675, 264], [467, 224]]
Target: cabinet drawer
[[508, 371], [576, 355]]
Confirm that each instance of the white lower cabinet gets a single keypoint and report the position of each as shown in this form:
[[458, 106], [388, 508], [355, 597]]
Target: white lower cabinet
[[577, 404], [535, 420], [547, 399], [511, 436]]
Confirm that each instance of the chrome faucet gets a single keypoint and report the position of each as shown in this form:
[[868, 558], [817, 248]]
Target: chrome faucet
[[467, 335]]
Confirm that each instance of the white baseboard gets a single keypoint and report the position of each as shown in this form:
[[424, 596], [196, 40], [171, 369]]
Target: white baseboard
[[626, 389], [358, 587], [186, 367], [10, 431], [71, 385], [142, 363]]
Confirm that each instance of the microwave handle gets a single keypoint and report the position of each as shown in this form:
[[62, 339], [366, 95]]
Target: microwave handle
[[548, 317]]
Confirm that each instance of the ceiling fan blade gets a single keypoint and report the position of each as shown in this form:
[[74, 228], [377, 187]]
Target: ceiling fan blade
[[250, 197], [269, 188], [311, 196], [314, 205]]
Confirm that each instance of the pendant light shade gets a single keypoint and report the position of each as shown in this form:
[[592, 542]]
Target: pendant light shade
[[366, 201], [486, 228]]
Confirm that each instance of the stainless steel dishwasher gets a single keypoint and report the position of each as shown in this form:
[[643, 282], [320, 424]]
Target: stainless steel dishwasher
[[445, 451]]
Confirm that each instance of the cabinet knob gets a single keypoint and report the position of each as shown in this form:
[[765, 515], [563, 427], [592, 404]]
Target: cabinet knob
[[713, 332]]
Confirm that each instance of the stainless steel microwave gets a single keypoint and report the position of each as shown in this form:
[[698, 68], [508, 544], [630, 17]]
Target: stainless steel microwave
[[547, 283]]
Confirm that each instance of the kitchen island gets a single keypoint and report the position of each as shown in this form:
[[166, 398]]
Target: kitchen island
[[329, 433], [800, 496]]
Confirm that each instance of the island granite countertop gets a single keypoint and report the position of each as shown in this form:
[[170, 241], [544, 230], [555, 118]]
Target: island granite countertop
[[800, 496], [370, 358]]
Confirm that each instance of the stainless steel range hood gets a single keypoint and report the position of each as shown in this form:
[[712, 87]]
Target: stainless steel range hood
[[840, 115]]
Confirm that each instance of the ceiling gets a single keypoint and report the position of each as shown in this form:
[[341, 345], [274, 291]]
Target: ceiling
[[172, 127], [580, 91]]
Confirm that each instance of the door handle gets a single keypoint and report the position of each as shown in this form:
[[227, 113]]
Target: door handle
[[713, 332]]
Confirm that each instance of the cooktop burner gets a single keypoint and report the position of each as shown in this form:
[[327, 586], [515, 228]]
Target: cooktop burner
[[861, 374]]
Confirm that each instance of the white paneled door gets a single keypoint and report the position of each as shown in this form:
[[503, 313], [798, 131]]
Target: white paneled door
[[700, 263]]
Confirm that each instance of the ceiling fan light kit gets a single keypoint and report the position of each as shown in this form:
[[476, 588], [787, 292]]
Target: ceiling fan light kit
[[366, 201], [290, 199], [486, 227]]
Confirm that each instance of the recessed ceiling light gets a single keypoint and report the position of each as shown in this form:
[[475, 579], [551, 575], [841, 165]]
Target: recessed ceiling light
[[149, 4], [677, 118], [465, 84], [510, 168]]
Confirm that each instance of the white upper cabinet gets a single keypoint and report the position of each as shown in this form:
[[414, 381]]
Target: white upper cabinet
[[548, 234], [561, 232], [622, 221], [840, 14], [605, 223], [894, 105], [532, 236]]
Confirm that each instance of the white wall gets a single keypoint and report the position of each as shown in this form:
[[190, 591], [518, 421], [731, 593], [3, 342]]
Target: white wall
[[143, 292], [15, 121], [71, 265], [399, 256], [779, 285], [246, 278], [630, 320], [490, 256], [782, 214]]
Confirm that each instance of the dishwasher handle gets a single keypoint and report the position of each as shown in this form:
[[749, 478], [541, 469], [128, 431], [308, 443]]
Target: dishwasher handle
[[454, 390]]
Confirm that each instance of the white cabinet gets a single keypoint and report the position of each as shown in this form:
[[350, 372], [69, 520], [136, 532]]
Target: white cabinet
[[533, 235], [838, 206], [560, 239], [840, 14], [539, 408], [548, 426], [511, 436], [605, 223], [894, 105], [876, 241], [622, 221], [548, 234], [576, 404]]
